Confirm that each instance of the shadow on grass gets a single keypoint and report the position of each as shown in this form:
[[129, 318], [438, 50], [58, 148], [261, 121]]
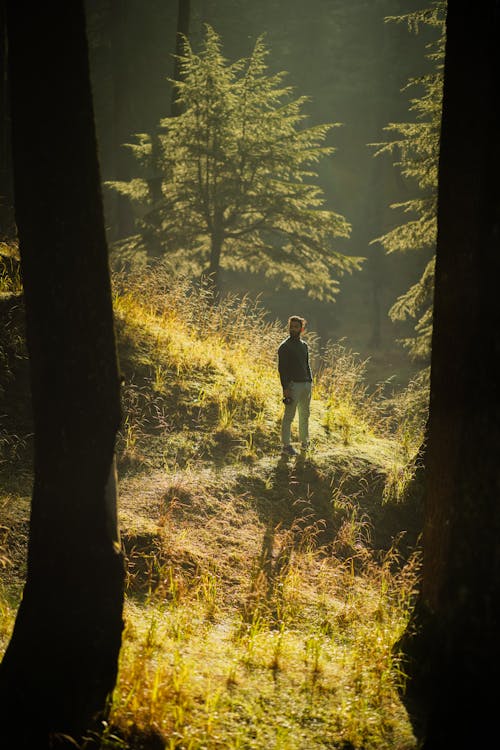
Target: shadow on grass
[[295, 489]]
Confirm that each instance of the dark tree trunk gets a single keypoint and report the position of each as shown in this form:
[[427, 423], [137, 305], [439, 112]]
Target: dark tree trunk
[[376, 265], [455, 656], [216, 242], [156, 178], [61, 662], [7, 224], [376, 261], [183, 17], [118, 28]]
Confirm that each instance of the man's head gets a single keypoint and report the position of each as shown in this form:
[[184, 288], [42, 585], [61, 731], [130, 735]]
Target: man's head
[[296, 325]]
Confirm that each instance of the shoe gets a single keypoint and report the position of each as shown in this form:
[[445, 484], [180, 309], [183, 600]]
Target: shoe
[[288, 450]]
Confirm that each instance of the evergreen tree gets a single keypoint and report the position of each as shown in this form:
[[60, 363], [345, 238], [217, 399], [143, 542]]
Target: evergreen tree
[[418, 150], [238, 177]]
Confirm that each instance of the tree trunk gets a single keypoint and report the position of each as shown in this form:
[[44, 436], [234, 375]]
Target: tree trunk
[[61, 662], [124, 224], [454, 659], [213, 273], [7, 224], [156, 178], [183, 17]]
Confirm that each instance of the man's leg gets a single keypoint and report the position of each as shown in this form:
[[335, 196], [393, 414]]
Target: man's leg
[[304, 408], [288, 415]]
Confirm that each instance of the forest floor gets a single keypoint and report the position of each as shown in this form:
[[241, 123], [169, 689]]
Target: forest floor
[[264, 594]]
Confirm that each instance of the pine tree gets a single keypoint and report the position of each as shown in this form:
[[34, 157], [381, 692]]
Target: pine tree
[[418, 149], [238, 177]]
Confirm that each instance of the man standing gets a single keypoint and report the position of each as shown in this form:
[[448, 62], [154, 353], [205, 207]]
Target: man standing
[[296, 379]]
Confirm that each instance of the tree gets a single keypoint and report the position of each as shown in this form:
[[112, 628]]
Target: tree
[[156, 178], [7, 231], [238, 189], [61, 662], [183, 17], [452, 643], [418, 151]]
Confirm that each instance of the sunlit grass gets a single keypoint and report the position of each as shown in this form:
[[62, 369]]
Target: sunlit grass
[[298, 656], [307, 664], [7, 614], [223, 355], [214, 366], [257, 614]]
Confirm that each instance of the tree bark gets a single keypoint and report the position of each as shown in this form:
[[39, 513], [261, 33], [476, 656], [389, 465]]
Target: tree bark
[[216, 242], [7, 224], [183, 18], [61, 662], [155, 180], [124, 224], [455, 655]]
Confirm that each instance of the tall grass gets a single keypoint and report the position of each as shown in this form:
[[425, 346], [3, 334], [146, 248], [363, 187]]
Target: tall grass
[[201, 362], [308, 663], [212, 364], [249, 624], [359, 413]]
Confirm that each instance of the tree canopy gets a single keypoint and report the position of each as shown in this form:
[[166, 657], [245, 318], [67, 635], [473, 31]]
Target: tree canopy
[[238, 177]]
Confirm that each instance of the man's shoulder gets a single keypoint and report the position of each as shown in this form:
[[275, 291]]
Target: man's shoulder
[[284, 344]]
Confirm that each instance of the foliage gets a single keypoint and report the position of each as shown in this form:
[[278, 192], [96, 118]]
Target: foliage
[[237, 177], [418, 149]]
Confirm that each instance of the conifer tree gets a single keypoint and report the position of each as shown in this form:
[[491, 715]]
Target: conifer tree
[[417, 147], [238, 177]]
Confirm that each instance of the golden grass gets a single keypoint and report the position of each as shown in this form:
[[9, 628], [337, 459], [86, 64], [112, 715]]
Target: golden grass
[[308, 665], [257, 614]]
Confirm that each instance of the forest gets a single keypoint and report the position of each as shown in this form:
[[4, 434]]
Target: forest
[[249, 414]]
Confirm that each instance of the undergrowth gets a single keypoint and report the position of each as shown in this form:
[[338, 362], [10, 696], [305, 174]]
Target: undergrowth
[[260, 610], [202, 365], [304, 659]]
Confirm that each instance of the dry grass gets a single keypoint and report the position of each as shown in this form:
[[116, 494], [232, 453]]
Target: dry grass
[[294, 650], [261, 612]]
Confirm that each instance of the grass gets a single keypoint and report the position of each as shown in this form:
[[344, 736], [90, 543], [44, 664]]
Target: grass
[[306, 664], [264, 594]]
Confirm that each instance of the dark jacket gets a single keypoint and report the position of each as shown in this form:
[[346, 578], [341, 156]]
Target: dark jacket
[[293, 362]]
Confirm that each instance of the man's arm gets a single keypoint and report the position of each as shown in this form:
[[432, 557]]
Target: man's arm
[[284, 368]]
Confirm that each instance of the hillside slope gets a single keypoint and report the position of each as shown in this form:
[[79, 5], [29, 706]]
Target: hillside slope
[[264, 593]]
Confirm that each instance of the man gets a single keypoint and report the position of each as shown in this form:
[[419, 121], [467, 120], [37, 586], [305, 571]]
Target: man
[[296, 379]]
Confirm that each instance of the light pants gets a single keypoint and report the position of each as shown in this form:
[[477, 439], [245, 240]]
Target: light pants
[[301, 400]]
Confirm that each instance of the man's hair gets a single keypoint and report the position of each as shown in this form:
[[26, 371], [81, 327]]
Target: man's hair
[[297, 319]]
